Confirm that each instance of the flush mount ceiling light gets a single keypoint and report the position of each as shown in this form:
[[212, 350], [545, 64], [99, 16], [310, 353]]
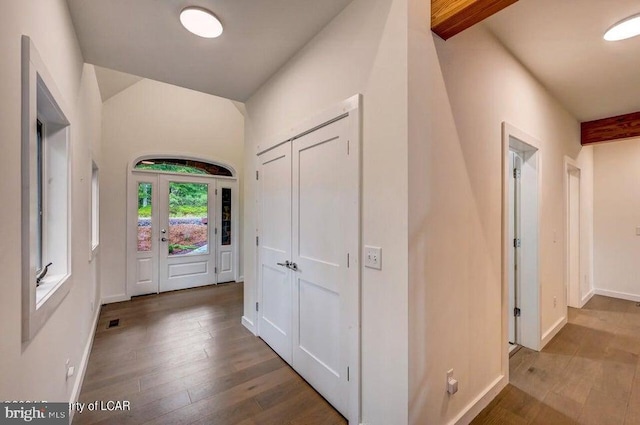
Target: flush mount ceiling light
[[201, 22], [627, 28]]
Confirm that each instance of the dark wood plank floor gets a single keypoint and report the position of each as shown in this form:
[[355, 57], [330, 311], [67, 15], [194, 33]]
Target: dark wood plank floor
[[588, 374], [184, 357]]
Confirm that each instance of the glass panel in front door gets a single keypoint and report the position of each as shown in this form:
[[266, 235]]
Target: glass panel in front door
[[144, 216], [188, 218], [226, 217]]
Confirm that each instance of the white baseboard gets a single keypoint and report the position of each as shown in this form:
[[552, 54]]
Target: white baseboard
[[248, 324], [548, 335], [240, 279], [475, 407], [84, 362], [587, 297], [616, 294], [115, 299]]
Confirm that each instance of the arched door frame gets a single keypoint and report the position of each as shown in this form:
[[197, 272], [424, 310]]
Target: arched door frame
[[131, 229], [132, 164]]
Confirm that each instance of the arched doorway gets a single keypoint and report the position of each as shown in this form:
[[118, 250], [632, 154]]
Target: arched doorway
[[182, 226]]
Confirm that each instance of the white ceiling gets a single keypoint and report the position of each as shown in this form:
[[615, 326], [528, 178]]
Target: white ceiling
[[561, 43], [145, 38], [113, 82]]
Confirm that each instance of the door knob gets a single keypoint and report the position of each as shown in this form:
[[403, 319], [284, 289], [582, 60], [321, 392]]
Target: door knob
[[164, 239], [293, 266]]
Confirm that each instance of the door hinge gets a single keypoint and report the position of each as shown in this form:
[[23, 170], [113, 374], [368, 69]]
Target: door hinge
[[516, 312], [347, 260], [215, 232], [348, 146], [257, 240], [215, 270], [216, 191], [257, 306], [516, 173], [348, 377], [257, 175], [517, 243]]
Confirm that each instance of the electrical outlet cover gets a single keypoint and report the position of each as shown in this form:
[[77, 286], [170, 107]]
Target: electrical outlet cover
[[373, 257]]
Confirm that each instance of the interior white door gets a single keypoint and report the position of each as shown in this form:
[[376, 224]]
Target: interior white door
[[275, 310], [225, 226], [144, 205], [512, 257], [325, 237], [187, 246], [515, 162]]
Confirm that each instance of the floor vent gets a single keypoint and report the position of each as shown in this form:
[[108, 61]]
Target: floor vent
[[113, 323]]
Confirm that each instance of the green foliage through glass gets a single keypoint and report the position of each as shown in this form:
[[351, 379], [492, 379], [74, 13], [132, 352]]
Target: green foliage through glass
[[170, 168]]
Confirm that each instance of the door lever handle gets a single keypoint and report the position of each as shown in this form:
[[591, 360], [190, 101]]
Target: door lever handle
[[285, 264], [293, 266], [164, 239]]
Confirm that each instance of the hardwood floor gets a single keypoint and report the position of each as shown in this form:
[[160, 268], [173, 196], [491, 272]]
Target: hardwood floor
[[184, 358], [588, 374]]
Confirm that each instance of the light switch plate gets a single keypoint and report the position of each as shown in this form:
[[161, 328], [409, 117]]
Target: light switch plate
[[373, 257]]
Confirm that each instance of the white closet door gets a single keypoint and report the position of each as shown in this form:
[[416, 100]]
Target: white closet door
[[325, 240], [275, 310]]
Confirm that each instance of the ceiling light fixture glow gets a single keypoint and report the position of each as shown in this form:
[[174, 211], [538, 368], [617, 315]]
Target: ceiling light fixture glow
[[627, 28], [201, 22]]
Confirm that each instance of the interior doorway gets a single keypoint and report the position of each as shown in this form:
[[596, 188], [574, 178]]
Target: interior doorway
[[521, 240], [515, 164], [574, 297], [182, 228]]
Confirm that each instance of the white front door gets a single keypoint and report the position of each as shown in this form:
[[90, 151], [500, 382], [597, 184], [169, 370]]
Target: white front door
[[183, 232], [275, 312], [226, 202], [187, 248], [143, 277], [325, 249]]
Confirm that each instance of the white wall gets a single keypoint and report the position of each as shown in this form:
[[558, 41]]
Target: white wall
[[616, 217], [460, 91], [152, 117], [36, 370], [363, 50]]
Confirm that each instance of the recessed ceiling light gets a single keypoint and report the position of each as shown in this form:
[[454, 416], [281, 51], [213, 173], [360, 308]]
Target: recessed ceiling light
[[201, 22], [627, 28]]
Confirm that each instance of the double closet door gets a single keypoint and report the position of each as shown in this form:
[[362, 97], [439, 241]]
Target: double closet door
[[183, 230], [308, 258]]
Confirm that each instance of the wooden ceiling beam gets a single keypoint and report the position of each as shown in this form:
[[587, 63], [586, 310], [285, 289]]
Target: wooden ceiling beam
[[608, 129], [450, 17]]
